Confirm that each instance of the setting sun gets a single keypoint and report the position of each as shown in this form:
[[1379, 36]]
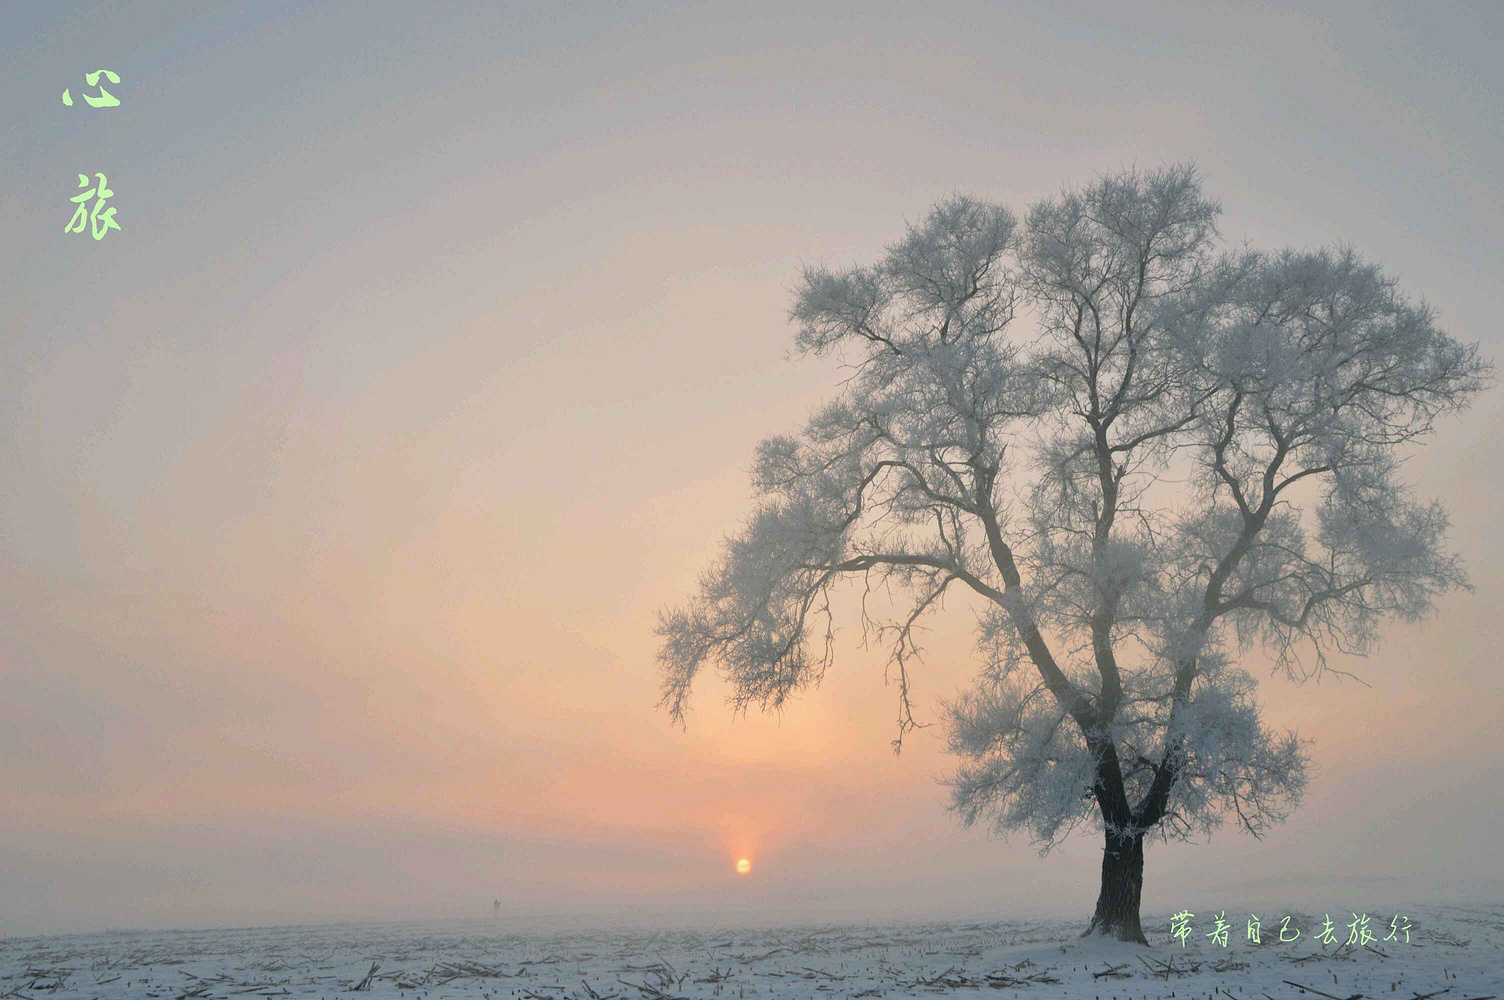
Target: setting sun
[[743, 866]]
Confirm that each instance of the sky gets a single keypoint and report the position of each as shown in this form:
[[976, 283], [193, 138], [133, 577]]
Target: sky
[[340, 486]]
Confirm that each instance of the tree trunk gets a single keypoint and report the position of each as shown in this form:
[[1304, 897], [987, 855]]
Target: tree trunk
[[1122, 885]]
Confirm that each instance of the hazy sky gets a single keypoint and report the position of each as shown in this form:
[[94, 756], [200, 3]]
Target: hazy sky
[[339, 487]]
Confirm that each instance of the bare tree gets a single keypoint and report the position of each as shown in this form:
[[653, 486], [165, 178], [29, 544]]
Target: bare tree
[[1115, 598]]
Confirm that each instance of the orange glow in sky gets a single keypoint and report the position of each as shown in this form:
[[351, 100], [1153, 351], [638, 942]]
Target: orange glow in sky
[[333, 553]]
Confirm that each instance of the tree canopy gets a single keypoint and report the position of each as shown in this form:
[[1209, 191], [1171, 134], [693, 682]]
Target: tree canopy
[[1143, 455]]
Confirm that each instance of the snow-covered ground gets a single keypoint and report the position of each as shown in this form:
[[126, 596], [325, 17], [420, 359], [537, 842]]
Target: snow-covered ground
[[1454, 953]]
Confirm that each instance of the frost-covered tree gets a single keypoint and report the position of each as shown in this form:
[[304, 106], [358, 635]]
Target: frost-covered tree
[[1192, 454]]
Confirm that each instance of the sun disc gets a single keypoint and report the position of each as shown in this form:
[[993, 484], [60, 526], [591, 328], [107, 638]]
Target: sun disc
[[744, 866]]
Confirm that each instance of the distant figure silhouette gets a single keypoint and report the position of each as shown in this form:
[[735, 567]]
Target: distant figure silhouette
[[496, 908]]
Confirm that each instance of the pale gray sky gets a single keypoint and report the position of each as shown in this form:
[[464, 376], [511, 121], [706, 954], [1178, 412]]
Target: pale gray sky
[[339, 487]]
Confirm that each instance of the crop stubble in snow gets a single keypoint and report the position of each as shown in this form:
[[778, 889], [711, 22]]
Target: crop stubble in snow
[[1455, 954]]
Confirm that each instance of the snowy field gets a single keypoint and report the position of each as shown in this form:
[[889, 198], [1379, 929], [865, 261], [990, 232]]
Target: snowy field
[[1454, 953]]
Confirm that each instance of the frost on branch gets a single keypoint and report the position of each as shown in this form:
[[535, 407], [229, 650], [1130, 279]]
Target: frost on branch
[[753, 603], [890, 481], [1023, 766], [1022, 763], [1142, 458], [1314, 369], [1227, 763]]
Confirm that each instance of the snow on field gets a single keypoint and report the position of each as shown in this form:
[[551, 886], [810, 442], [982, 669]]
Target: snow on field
[[1454, 954]]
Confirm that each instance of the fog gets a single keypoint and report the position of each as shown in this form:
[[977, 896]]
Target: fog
[[339, 487]]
